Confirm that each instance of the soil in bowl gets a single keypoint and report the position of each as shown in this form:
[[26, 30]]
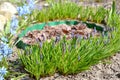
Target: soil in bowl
[[58, 31]]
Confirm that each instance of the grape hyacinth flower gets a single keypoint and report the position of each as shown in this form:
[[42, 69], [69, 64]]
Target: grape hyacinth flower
[[23, 10], [57, 39], [88, 35], [1, 77], [95, 30], [27, 8], [41, 44], [3, 71], [80, 37], [31, 4], [72, 35], [85, 37], [77, 35], [41, 56], [43, 37], [64, 47], [5, 51], [14, 25], [20, 11]]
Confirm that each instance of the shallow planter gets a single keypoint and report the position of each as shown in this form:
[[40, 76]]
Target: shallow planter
[[40, 26]]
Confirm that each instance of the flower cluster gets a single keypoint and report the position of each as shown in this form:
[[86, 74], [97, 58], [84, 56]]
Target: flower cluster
[[31, 4], [26, 8], [3, 72], [5, 51], [14, 25], [23, 10]]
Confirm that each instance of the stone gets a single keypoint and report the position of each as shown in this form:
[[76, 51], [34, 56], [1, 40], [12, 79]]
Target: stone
[[8, 15], [46, 5], [2, 22], [7, 11], [8, 7]]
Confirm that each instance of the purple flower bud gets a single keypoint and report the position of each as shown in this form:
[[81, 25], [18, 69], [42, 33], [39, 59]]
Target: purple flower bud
[[64, 47], [57, 38], [41, 56], [72, 35], [85, 37], [95, 30], [103, 34], [43, 37], [41, 44], [76, 36], [93, 34], [80, 37], [88, 35]]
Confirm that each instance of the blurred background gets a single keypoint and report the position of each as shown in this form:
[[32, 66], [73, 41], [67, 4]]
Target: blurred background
[[94, 3]]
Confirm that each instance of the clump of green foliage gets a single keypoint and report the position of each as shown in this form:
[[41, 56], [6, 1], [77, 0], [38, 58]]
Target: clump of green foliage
[[66, 11], [61, 11], [67, 56]]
